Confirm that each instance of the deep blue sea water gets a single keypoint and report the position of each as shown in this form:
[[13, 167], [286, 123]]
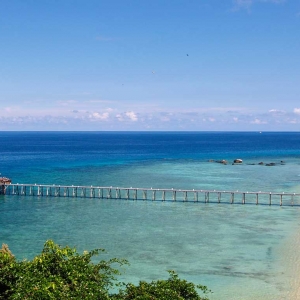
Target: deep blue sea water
[[239, 251]]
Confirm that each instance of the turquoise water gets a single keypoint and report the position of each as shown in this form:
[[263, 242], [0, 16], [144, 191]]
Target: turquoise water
[[238, 251]]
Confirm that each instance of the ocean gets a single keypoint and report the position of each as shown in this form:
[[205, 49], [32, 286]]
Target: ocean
[[240, 252]]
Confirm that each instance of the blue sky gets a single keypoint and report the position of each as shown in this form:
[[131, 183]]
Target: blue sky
[[150, 65]]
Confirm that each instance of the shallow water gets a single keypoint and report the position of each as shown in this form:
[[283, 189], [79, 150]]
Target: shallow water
[[238, 251]]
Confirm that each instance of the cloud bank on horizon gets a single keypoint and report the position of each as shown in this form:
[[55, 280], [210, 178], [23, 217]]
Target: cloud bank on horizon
[[201, 65], [109, 119]]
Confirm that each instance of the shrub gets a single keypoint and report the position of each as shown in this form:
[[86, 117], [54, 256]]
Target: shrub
[[170, 289], [62, 273], [57, 273]]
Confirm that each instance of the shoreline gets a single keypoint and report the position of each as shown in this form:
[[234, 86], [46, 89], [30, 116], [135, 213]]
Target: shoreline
[[289, 251], [291, 263]]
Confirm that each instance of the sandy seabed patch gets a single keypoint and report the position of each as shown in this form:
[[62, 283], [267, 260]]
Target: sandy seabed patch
[[291, 260], [286, 266]]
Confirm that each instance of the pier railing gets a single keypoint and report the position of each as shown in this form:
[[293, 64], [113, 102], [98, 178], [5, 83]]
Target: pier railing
[[154, 194]]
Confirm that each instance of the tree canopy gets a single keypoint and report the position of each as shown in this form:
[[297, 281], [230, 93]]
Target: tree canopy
[[62, 273]]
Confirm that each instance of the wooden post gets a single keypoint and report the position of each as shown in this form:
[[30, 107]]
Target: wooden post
[[206, 197], [196, 197], [153, 195], [66, 191], [108, 193], [163, 195], [185, 198], [144, 194]]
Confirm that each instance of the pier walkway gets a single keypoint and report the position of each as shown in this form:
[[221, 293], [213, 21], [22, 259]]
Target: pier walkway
[[154, 194]]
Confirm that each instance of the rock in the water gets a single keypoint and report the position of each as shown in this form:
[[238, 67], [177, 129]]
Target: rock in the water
[[223, 161], [238, 161]]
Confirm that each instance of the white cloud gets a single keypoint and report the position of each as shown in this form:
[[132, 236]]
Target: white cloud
[[111, 119], [258, 121], [277, 112], [132, 116], [297, 111], [99, 116], [119, 117], [129, 115]]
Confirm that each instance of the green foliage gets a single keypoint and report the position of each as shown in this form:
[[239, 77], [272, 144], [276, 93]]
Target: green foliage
[[62, 273], [58, 273], [7, 271], [170, 289]]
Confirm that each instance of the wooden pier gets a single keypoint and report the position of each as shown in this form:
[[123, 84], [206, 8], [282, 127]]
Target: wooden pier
[[154, 194]]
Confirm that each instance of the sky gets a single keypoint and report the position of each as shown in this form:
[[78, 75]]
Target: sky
[[150, 65]]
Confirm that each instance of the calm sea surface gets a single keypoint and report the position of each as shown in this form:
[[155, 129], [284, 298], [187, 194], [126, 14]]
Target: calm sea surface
[[238, 251]]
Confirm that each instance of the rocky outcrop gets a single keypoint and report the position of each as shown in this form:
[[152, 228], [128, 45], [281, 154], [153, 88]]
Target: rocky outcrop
[[223, 161], [238, 161]]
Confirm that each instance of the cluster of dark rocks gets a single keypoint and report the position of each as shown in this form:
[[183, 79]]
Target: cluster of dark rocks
[[225, 162], [239, 161]]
